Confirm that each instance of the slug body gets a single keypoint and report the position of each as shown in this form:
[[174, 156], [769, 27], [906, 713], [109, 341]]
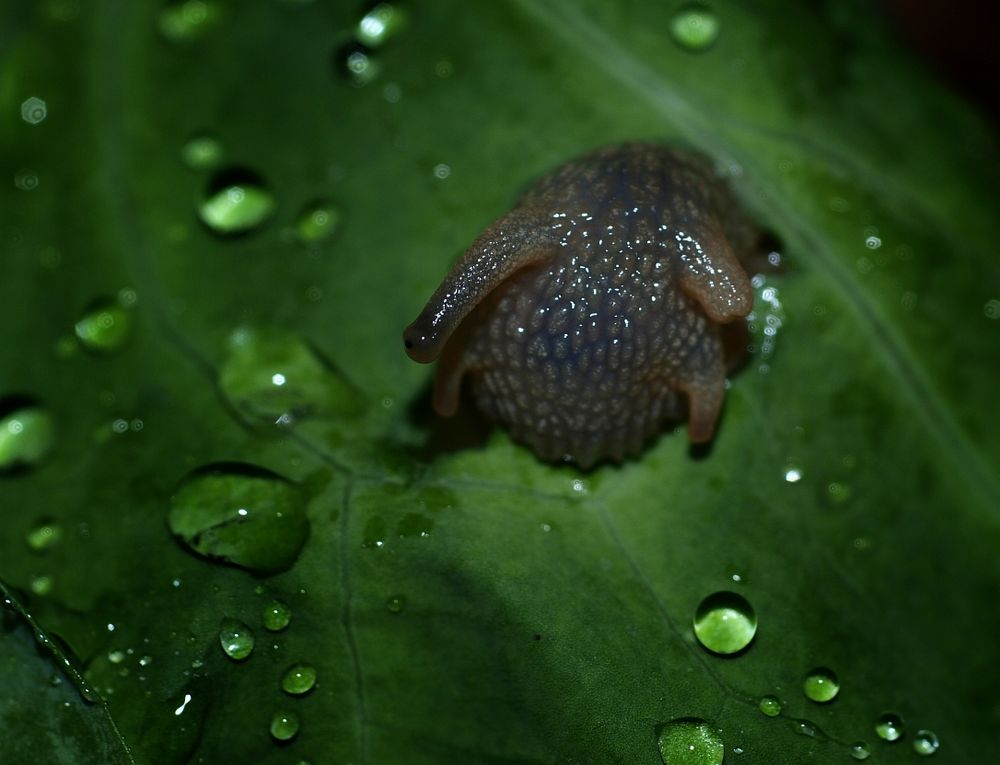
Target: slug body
[[592, 312]]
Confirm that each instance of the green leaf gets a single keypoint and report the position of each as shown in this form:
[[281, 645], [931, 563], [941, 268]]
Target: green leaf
[[458, 600]]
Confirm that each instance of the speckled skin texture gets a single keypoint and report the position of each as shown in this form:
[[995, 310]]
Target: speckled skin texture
[[590, 314]]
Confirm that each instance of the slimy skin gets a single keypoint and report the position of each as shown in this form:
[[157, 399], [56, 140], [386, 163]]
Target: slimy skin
[[592, 313]]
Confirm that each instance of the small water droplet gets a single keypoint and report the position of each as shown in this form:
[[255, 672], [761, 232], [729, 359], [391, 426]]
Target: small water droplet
[[806, 728], [44, 535], [374, 534], [34, 110], [689, 741], [770, 706], [284, 725], [26, 433], [317, 222], [395, 603], [236, 638], [889, 727], [926, 742], [725, 622], [873, 242], [793, 475], [267, 537], [276, 616], [838, 492], [991, 310], [380, 24], [357, 63], [821, 685], [26, 180], [187, 20], [694, 27], [236, 201], [42, 584], [442, 171], [104, 327], [299, 679], [860, 751], [202, 152]]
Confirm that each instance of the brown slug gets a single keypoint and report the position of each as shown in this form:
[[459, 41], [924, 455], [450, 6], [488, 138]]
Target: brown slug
[[592, 312]]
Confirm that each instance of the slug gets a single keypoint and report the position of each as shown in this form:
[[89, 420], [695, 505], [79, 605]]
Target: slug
[[595, 310]]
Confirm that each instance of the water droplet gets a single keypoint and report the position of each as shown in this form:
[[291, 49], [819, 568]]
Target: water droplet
[[926, 742], [889, 726], [34, 110], [442, 171], [317, 222], [44, 536], [25, 433], [806, 728], [26, 180], [236, 638], [188, 20], [284, 725], [694, 27], [860, 751], [689, 741], [725, 622], [104, 327], [275, 377], [821, 685], [793, 475], [380, 24], [42, 584], [991, 310], [276, 616], [356, 62], [299, 679], [202, 152], [770, 706], [838, 492], [374, 533], [241, 514], [395, 603], [415, 525], [237, 201]]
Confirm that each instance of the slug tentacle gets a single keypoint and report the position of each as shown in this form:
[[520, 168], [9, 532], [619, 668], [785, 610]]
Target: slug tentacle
[[522, 238]]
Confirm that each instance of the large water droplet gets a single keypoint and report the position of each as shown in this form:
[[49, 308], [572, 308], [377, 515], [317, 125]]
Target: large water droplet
[[380, 24], [276, 616], [202, 152], [770, 706], [317, 222], [241, 514], [860, 751], [236, 638], [237, 201], [725, 622], [44, 536], [284, 725], [104, 327], [188, 20], [821, 685], [694, 27], [299, 679], [26, 433], [274, 376], [926, 742], [889, 726], [689, 741]]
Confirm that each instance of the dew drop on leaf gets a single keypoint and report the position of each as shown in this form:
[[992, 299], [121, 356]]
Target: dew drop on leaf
[[689, 741], [395, 603], [770, 706], [104, 327], [317, 222], [299, 679], [694, 27], [355, 62], [926, 742], [284, 725], [860, 751], [187, 20], [889, 727], [241, 514], [26, 433], [380, 24], [236, 638], [236, 201], [44, 535], [821, 685], [725, 622], [202, 152], [276, 615]]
